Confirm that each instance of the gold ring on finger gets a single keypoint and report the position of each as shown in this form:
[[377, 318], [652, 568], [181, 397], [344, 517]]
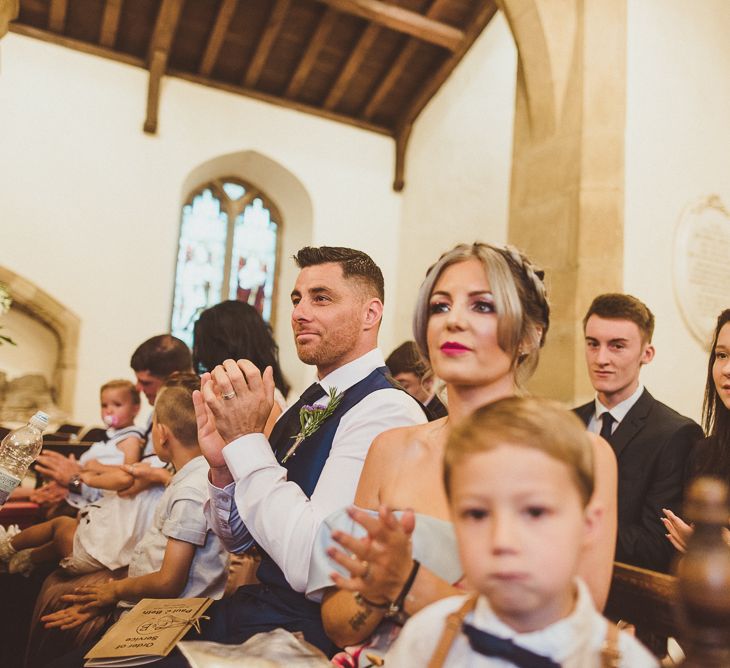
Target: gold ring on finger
[[228, 395]]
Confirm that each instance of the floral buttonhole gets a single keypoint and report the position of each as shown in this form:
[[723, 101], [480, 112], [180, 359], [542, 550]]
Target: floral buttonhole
[[311, 418]]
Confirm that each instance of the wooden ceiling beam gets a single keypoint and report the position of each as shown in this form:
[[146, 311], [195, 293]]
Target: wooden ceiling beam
[[355, 59], [268, 37], [398, 67], [158, 55], [57, 15], [402, 133], [316, 42], [222, 21], [110, 23], [487, 9], [402, 20]]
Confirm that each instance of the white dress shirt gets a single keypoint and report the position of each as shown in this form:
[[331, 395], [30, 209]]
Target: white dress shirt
[[276, 513], [618, 412], [572, 642]]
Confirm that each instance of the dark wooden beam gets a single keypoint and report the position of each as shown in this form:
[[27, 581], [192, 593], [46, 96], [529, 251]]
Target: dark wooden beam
[[158, 55], [263, 48], [401, 20], [484, 14], [222, 20], [157, 69], [316, 42], [355, 59], [398, 67], [57, 15], [110, 23], [401, 144], [76, 44], [165, 27]]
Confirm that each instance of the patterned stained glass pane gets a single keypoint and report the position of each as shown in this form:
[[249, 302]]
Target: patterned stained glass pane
[[234, 190], [254, 258], [200, 262]]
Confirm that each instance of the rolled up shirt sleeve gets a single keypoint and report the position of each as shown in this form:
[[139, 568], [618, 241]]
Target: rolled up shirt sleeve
[[222, 514]]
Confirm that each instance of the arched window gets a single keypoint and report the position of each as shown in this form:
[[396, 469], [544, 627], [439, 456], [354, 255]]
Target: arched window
[[229, 242]]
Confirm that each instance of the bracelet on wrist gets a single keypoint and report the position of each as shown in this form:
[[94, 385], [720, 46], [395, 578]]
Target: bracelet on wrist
[[361, 600], [395, 611]]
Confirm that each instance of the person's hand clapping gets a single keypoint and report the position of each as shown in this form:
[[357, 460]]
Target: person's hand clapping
[[240, 398], [678, 531], [379, 564]]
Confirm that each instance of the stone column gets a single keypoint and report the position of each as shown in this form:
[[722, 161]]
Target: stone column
[[8, 11], [567, 191]]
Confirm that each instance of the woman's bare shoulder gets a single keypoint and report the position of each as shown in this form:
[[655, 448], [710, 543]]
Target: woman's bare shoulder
[[395, 442]]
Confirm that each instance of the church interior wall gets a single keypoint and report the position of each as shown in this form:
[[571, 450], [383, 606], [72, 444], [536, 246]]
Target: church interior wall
[[458, 163], [677, 138], [90, 204]]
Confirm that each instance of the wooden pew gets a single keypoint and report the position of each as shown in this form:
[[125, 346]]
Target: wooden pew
[[646, 600]]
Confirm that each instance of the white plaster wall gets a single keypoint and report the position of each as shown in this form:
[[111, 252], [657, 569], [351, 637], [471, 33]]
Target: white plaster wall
[[89, 204], [459, 163], [677, 139]]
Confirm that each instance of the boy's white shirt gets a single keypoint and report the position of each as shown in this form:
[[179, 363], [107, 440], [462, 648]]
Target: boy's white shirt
[[573, 642]]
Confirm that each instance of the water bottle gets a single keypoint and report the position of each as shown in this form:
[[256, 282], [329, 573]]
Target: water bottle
[[18, 451]]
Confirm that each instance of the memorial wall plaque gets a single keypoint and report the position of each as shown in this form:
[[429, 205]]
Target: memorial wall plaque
[[702, 265]]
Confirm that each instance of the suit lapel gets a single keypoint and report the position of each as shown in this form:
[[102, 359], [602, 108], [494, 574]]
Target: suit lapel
[[585, 412], [632, 424]]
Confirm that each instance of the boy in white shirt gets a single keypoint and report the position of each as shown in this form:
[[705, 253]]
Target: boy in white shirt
[[519, 477], [178, 556]]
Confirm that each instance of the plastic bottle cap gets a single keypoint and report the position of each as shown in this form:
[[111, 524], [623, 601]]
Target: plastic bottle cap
[[39, 420]]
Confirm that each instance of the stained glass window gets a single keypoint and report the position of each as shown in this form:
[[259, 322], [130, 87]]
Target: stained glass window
[[229, 238]]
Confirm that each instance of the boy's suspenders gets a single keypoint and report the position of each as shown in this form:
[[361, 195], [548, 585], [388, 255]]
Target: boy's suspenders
[[610, 653], [454, 623]]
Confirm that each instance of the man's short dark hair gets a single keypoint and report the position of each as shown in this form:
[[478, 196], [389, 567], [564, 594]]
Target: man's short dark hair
[[162, 355], [355, 265], [618, 306], [406, 359]]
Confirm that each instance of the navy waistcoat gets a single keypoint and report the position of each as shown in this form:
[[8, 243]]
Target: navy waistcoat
[[305, 467]]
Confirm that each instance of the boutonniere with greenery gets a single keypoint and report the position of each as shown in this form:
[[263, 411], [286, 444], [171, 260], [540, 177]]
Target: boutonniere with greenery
[[311, 419], [5, 301]]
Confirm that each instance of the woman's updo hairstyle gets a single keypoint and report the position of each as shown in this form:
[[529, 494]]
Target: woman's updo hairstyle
[[519, 297]]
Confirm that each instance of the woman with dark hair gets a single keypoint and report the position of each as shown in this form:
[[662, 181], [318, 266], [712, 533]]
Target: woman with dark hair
[[712, 455], [236, 330]]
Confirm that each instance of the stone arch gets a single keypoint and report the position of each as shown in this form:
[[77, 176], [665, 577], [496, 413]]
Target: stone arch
[[64, 324]]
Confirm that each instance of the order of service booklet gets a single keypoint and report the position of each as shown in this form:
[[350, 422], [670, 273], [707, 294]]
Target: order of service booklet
[[147, 632]]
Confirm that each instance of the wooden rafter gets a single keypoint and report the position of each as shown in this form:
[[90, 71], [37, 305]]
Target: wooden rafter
[[222, 20], [317, 41], [110, 23], [398, 67], [354, 60], [158, 55], [402, 20], [57, 15], [401, 144], [484, 14], [263, 48]]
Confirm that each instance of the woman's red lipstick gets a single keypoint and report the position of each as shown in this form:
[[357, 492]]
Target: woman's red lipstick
[[453, 348]]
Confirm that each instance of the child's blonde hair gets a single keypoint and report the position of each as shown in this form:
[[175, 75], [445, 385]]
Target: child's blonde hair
[[174, 407], [525, 422], [122, 384]]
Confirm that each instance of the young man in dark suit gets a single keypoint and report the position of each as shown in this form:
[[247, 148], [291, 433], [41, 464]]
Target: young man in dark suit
[[651, 441]]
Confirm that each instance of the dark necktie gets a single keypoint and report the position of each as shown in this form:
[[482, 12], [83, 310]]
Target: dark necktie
[[288, 424], [607, 427], [491, 645]]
